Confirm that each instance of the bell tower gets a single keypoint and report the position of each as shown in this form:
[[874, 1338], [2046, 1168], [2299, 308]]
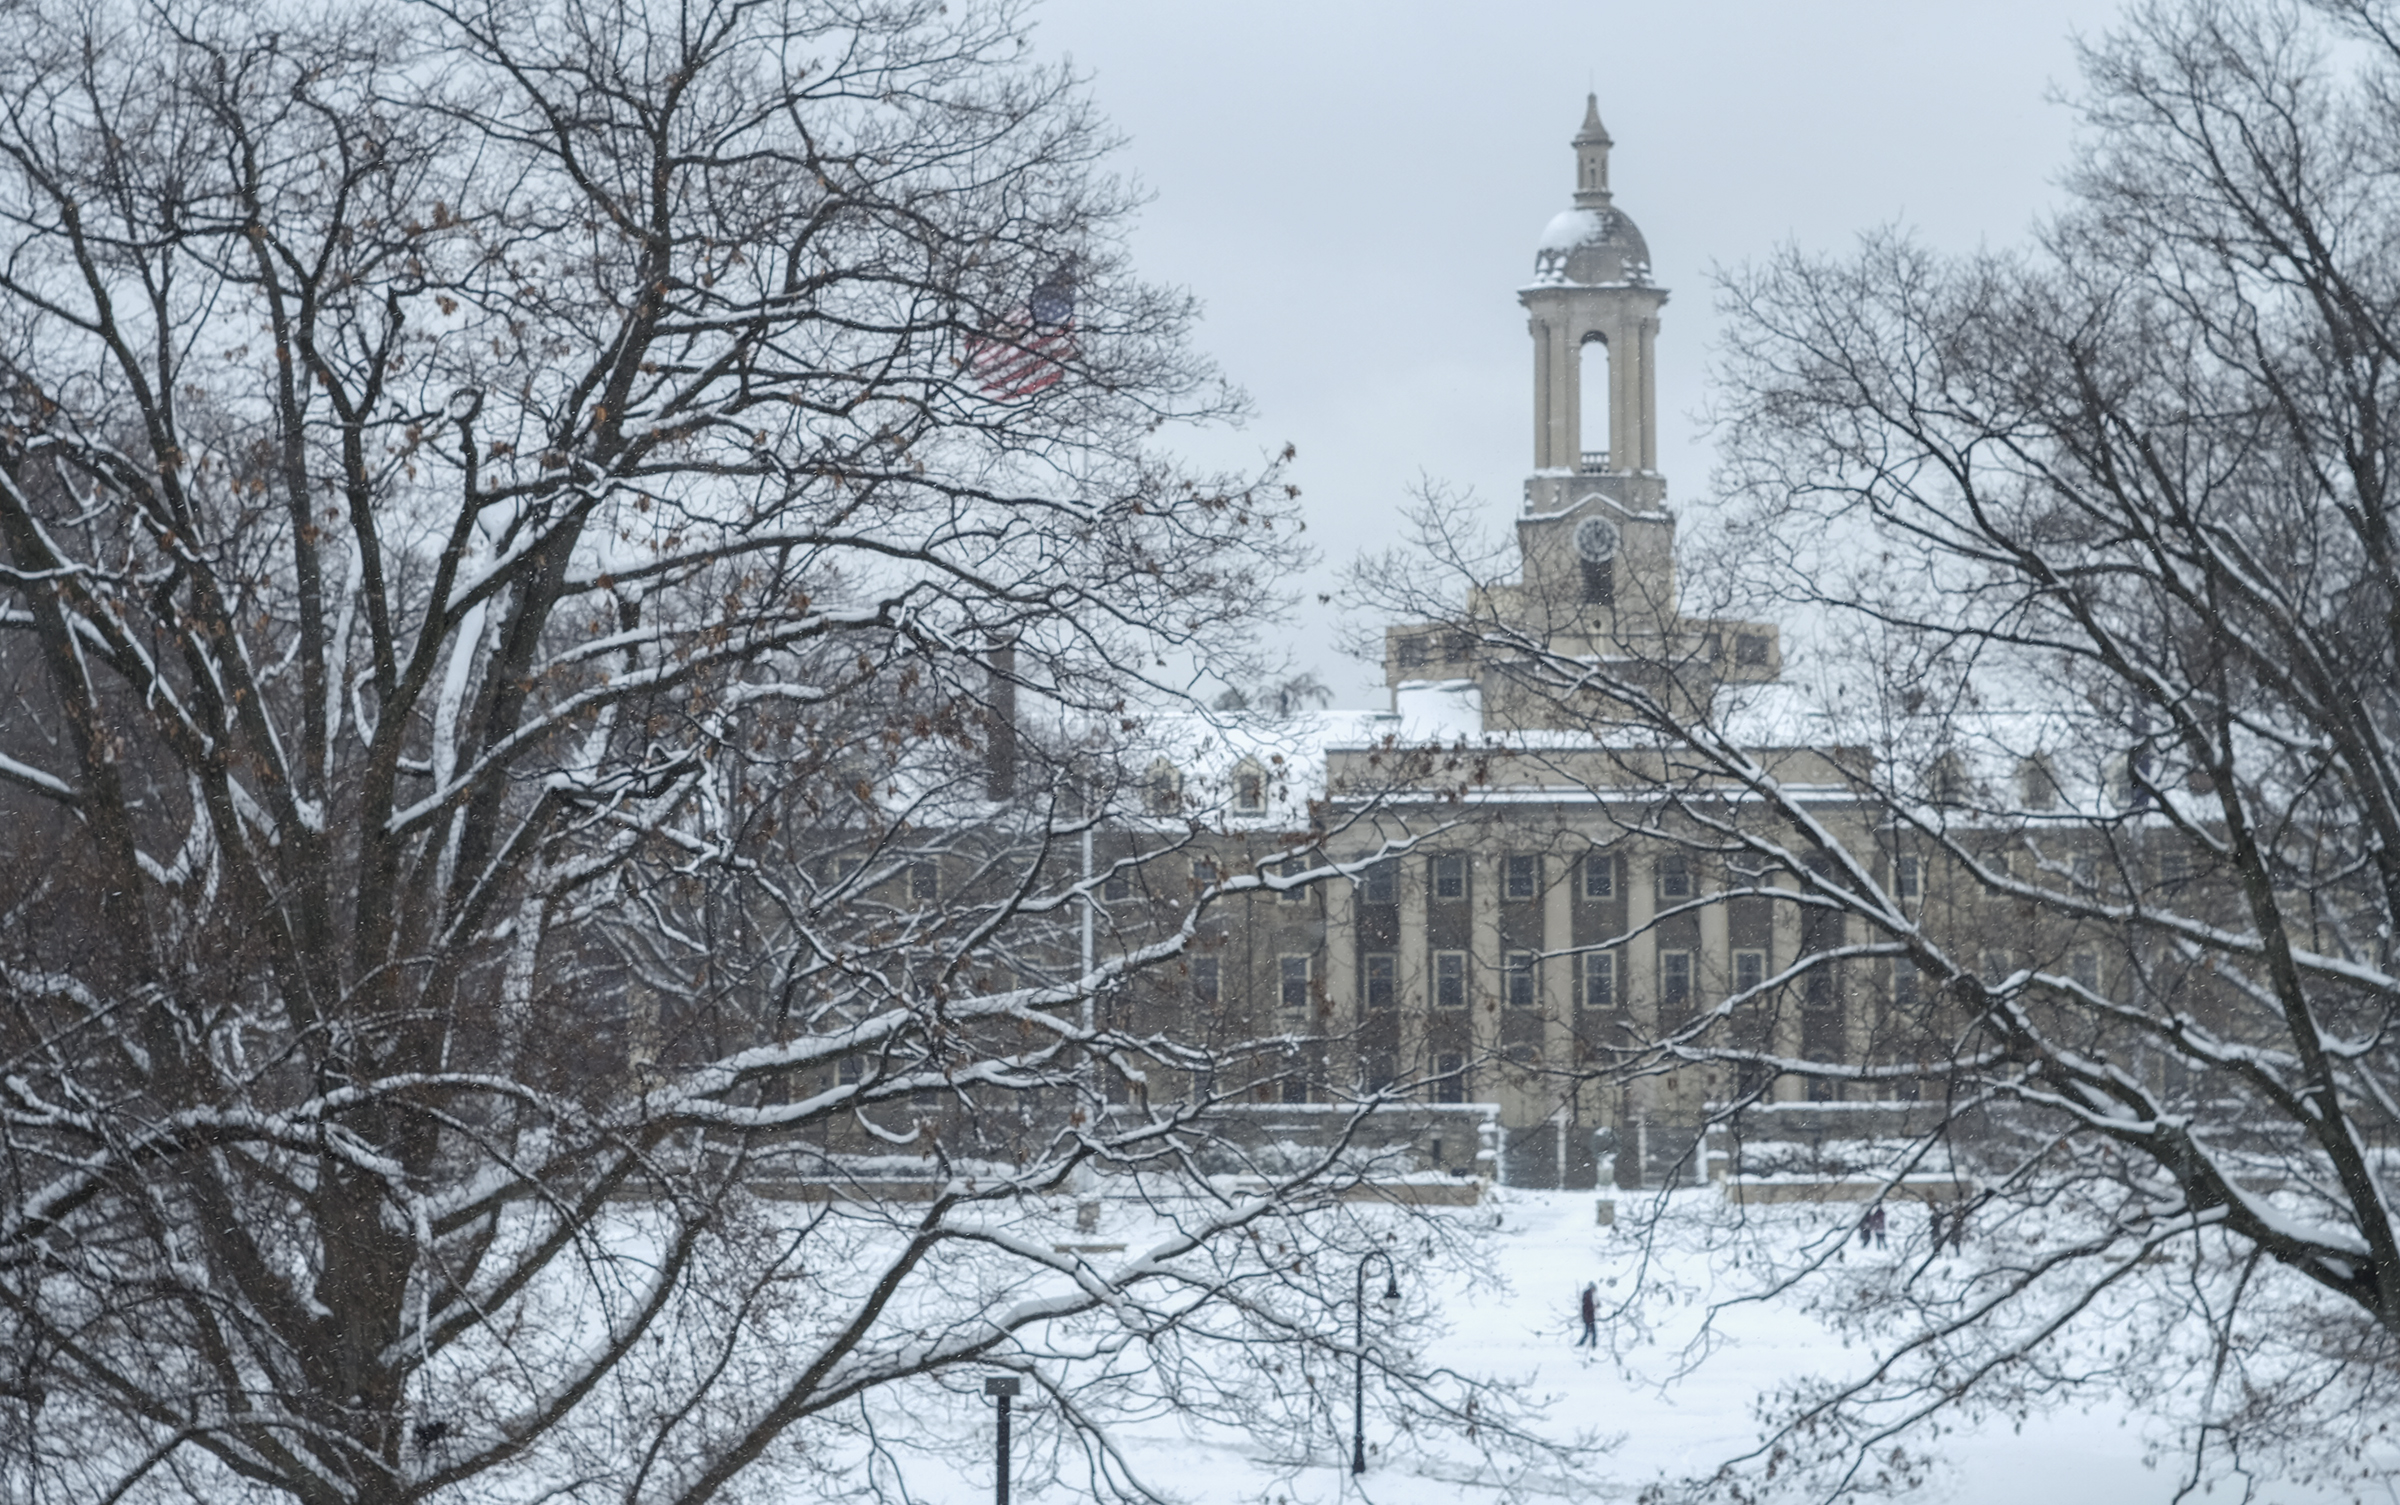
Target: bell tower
[[1596, 541], [1591, 284], [1599, 543]]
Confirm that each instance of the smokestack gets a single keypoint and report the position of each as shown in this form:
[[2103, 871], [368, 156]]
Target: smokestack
[[1000, 718]]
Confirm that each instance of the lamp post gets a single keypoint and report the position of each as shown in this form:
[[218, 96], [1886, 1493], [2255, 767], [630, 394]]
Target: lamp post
[[1004, 1387], [1358, 1394]]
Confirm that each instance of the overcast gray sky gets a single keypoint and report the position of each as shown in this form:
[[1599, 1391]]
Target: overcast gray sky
[[1355, 190]]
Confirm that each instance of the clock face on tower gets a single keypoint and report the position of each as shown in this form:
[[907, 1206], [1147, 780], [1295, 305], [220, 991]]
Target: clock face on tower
[[1596, 539]]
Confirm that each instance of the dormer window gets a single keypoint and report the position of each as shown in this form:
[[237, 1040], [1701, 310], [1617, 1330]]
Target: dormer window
[[1947, 781], [1162, 788], [1249, 789], [2037, 786]]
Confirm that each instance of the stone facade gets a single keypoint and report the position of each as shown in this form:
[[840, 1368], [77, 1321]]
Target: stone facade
[[1512, 919], [1539, 933]]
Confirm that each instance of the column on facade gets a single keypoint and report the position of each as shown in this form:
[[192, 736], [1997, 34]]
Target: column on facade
[[1540, 330], [1787, 1017], [1558, 1012], [1558, 968], [1638, 978], [1624, 391], [1415, 979], [1648, 428], [1337, 969], [1566, 395], [1484, 966], [1715, 966]]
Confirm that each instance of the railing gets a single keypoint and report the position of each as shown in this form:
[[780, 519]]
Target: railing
[[1595, 459]]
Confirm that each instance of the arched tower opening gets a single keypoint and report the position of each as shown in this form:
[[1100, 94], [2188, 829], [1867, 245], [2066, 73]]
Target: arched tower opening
[[1592, 391]]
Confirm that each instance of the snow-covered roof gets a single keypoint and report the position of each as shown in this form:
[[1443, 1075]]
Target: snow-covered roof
[[1570, 228], [1592, 247]]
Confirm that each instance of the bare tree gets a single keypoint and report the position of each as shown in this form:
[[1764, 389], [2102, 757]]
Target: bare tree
[[568, 574], [2085, 819]]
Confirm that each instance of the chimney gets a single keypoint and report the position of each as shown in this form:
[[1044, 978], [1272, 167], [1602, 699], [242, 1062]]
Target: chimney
[[1000, 720]]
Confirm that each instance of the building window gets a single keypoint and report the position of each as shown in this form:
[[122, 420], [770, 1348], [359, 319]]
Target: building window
[[851, 1070], [1600, 875], [1750, 650], [1162, 789], [1118, 885], [1947, 780], [1204, 979], [1449, 1078], [1996, 967], [1674, 876], [2037, 787], [1375, 885], [1674, 987], [1292, 977], [1204, 873], [1291, 870], [1599, 991], [1522, 976], [1250, 790], [1749, 971], [1449, 877], [2084, 967], [1449, 979], [1599, 582], [1523, 878], [1908, 878], [924, 882], [1379, 980], [1381, 1071], [1908, 986]]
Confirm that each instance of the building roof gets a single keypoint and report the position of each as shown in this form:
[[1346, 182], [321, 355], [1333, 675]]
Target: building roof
[[1591, 248]]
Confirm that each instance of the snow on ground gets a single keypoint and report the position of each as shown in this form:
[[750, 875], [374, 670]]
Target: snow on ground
[[1517, 1319]]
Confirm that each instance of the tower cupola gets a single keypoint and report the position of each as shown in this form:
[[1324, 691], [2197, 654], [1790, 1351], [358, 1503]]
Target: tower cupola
[[1591, 287], [1591, 158]]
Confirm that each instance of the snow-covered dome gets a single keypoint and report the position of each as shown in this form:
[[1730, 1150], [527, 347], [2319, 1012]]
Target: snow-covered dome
[[1592, 246]]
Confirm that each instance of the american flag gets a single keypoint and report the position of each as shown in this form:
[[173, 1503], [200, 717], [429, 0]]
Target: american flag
[[1028, 357]]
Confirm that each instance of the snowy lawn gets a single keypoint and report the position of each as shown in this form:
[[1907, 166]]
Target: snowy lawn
[[1672, 1417]]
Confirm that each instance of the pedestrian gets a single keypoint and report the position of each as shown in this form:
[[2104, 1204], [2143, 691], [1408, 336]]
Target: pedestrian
[[1591, 1317], [1958, 1231], [1934, 1213], [1875, 1221], [1866, 1229]]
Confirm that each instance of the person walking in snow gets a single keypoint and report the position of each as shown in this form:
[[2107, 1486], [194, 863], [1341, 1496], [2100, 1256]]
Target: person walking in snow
[[1591, 1317], [1875, 1221]]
